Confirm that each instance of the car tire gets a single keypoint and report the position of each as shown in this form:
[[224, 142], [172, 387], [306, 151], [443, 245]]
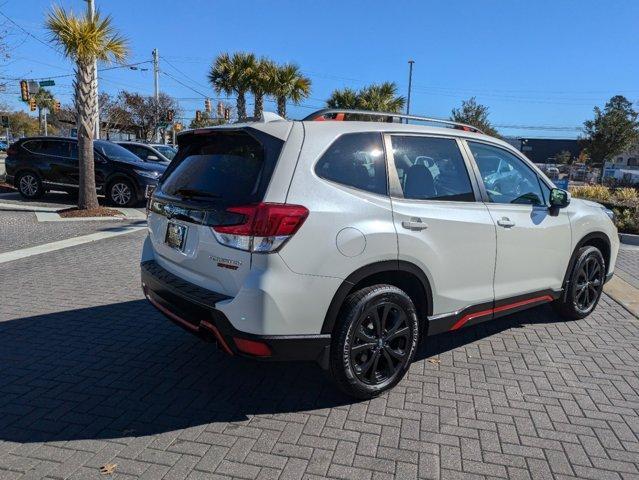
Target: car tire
[[368, 354], [585, 284], [29, 185], [121, 193]]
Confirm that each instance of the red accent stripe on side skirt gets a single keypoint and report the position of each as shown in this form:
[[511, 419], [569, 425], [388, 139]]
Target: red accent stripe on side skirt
[[470, 316]]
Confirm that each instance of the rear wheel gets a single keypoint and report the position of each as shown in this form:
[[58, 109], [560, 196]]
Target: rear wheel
[[374, 341], [584, 285], [121, 193], [29, 185]]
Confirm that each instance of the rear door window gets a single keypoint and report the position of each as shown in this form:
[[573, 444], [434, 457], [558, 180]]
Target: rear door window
[[231, 166], [356, 160], [54, 148], [32, 146], [431, 168]]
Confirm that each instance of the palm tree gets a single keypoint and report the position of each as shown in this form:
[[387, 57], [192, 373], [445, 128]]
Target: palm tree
[[346, 98], [289, 84], [376, 97], [43, 99], [261, 84], [86, 39], [234, 74], [381, 98]]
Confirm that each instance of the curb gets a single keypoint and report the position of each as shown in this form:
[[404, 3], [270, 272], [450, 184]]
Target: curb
[[624, 294], [629, 238], [49, 214]]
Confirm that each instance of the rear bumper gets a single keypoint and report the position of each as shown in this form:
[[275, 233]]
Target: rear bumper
[[193, 308]]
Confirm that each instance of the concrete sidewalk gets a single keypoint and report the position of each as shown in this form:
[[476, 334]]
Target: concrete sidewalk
[[624, 286]]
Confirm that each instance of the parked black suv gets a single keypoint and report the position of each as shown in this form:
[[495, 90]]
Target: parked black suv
[[36, 165]]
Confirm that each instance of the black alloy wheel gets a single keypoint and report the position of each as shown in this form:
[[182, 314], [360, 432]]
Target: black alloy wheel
[[588, 283], [585, 285], [380, 344], [374, 340]]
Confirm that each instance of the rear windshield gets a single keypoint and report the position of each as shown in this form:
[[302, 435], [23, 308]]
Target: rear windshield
[[233, 166]]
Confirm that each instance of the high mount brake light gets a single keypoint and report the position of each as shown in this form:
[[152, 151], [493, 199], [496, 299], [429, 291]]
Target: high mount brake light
[[264, 228]]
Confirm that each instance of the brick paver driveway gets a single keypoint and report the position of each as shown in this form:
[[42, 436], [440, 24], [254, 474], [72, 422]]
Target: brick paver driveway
[[91, 375]]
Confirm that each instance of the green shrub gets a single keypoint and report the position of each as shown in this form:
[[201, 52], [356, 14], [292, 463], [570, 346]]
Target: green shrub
[[626, 196], [597, 193], [627, 220]]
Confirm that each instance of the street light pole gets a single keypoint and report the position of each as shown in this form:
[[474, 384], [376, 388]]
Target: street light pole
[[91, 8], [156, 89], [410, 84]]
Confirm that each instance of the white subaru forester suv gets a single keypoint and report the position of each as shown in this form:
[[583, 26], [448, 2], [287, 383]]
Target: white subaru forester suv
[[346, 242]]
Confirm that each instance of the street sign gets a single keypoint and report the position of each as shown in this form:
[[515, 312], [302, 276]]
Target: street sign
[[33, 87], [47, 83]]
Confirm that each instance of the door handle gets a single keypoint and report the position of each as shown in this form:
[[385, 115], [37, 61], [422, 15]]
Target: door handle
[[414, 224], [505, 222]]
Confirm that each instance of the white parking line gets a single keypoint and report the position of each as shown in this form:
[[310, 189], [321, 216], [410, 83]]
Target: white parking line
[[69, 242]]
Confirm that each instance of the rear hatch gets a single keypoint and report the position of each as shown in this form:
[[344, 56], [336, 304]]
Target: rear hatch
[[214, 181]]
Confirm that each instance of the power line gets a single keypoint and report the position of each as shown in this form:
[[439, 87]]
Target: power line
[[115, 67], [184, 84], [48, 45], [183, 74]]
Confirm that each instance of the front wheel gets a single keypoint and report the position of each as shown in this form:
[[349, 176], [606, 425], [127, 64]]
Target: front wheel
[[374, 341], [584, 285], [121, 193]]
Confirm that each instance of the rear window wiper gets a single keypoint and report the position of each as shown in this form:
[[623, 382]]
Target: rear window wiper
[[191, 192]]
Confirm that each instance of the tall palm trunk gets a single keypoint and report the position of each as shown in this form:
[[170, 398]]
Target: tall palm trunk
[[40, 129], [258, 109], [241, 106], [85, 110], [281, 106]]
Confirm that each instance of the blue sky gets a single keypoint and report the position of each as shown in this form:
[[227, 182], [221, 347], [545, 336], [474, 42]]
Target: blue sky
[[534, 63]]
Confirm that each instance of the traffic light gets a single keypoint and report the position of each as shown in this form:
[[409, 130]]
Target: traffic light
[[24, 90], [220, 109], [32, 104], [207, 105], [227, 113], [198, 116], [169, 116], [178, 127], [56, 106]]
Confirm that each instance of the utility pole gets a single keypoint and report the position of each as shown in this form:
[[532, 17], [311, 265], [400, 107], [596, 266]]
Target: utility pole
[[410, 84], [45, 110], [91, 7], [156, 89]]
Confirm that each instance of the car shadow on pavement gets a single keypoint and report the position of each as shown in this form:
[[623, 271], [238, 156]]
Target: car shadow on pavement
[[122, 370], [444, 342]]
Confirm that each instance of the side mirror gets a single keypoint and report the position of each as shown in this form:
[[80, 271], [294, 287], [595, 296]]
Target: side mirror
[[559, 198], [153, 158]]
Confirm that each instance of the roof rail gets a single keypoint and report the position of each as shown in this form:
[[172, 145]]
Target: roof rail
[[339, 114]]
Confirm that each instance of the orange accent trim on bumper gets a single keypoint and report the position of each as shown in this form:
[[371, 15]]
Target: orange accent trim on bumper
[[470, 316], [171, 315], [213, 329]]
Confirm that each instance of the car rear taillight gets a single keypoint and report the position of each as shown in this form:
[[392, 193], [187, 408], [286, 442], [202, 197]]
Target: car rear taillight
[[264, 228]]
